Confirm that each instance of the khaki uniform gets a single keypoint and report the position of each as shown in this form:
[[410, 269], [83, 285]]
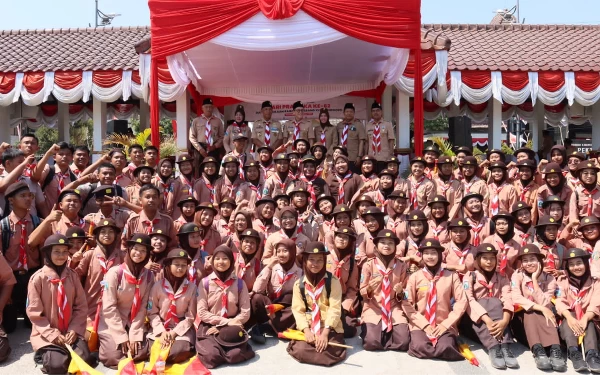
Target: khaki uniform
[[52, 190], [526, 296], [481, 230], [133, 194], [451, 257], [185, 306], [247, 272], [356, 134], [11, 254], [270, 280], [348, 276], [306, 131], [425, 191], [565, 194], [529, 195], [203, 190], [352, 187], [507, 196], [269, 250], [578, 205], [258, 133], [386, 130], [233, 131], [511, 248], [477, 185], [224, 188], [326, 136], [197, 132], [366, 248], [399, 225], [453, 192], [329, 306], [209, 302], [566, 297], [181, 189], [123, 180], [140, 223], [38, 201], [275, 186], [476, 291]]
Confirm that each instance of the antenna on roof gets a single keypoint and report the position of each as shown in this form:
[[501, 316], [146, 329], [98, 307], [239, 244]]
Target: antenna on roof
[[105, 18], [506, 16]]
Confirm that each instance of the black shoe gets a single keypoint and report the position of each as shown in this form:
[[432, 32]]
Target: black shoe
[[557, 360], [509, 357], [576, 357], [541, 359], [496, 357], [593, 361], [257, 336]]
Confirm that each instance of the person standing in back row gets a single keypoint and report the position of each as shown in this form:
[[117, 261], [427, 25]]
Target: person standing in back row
[[299, 127], [266, 132], [380, 137], [352, 137], [206, 133]]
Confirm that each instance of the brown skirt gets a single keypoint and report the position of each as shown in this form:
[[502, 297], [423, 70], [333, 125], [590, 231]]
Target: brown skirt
[[180, 351], [110, 354], [530, 328], [212, 354], [303, 352], [375, 339], [56, 359], [421, 347], [280, 321]]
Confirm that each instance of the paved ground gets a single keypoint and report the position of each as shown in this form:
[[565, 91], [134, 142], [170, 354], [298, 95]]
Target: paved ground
[[272, 358]]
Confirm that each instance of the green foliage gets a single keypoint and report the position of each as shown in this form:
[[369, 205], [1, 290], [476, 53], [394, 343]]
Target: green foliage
[[439, 124], [444, 146], [82, 133], [47, 137], [168, 145]]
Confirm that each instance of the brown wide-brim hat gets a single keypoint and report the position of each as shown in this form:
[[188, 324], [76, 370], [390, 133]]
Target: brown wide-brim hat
[[552, 168], [106, 223], [252, 233], [464, 199], [341, 209], [587, 221], [187, 200], [348, 231], [552, 199], [138, 170], [547, 220], [16, 188], [183, 158], [497, 164], [518, 206], [430, 243], [76, 233], [55, 240], [373, 211], [363, 198], [386, 233], [231, 336], [503, 215], [416, 215], [140, 239], [209, 159], [459, 223], [208, 206], [438, 199], [484, 248], [179, 254], [530, 249], [576, 253], [530, 153], [325, 197], [587, 165]]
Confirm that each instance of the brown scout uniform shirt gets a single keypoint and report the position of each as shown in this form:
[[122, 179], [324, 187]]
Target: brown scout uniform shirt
[[356, 134], [579, 203], [11, 255], [209, 302], [330, 133], [530, 197], [197, 132], [476, 291], [270, 280], [511, 247], [269, 251], [185, 306], [348, 278], [232, 131], [258, 132], [139, 223], [565, 194], [52, 190], [566, 296], [181, 190], [306, 131], [386, 131], [526, 296]]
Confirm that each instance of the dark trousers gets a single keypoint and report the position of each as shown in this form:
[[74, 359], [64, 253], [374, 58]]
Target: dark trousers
[[56, 359], [19, 301], [375, 339], [590, 340], [421, 347]]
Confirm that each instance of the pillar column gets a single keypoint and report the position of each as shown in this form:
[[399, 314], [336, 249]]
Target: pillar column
[[494, 124], [403, 115], [386, 104], [538, 125], [63, 124], [183, 120], [144, 115], [595, 126], [5, 130], [99, 118]]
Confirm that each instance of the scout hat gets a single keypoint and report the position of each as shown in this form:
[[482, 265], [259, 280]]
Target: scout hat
[[75, 233], [298, 188], [587, 165], [297, 104], [363, 198], [497, 151], [209, 159], [416, 215], [459, 223], [552, 168], [341, 209], [498, 164], [518, 206], [55, 240], [530, 153], [15, 188], [209, 206], [179, 254], [503, 215], [282, 196], [139, 169], [186, 200], [309, 159], [438, 199], [576, 253], [587, 221], [387, 172], [547, 220], [140, 239], [267, 148], [393, 159], [293, 154], [250, 233], [282, 157], [64, 193], [348, 231], [315, 248], [552, 199], [444, 160], [251, 163], [367, 158], [351, 106], [373, 211], [343, 157], [323, 197], [318, 145], [106, 223], [301, 140], [527, 163], [484, 248], [264, 200], [417, 159], [578, 155], [104, 191], [183, 158], [158, 232], [266, 104], [375, 105], [464, 149], [398, 194], [432, 148], [188, 228], [470, 160], [342, 149], [207, 101], [530, 249], [230, 159], [240, 137], [430, 243], [468, 196], [231, 336], [386, 233]]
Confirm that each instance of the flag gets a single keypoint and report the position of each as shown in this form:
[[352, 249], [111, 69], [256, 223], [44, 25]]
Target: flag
[[79, 366], [466, 352], [128, 367], [293, 334], [156, 355], [192, 367], [273, 308]]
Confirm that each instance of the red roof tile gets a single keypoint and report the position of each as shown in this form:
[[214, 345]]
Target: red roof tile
[[522, 47], [104, 48]]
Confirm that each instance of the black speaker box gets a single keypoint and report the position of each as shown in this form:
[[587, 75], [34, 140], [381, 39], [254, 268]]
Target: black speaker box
[[459, 132]]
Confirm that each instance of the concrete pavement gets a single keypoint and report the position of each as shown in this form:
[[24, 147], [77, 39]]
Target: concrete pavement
[[272, 358]]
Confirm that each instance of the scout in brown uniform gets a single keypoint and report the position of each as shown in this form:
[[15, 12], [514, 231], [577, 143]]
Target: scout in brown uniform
[[324, 215], [205, 215], [584, 235], [240, 143], [7, 282], [521, 154], [279, 181], [106, 199], [490, 307], [344, 185], [267, 132], [289, 229], [29, 145], [172, 308], [263, 217], [502, 194], [301, 202], [471, 181], [242, 220], [360, 206], [382, 282], [504, 242], [164, 180], [221, 224], [265, 158], [295, 171], [397, 213], [247, 260], [461, 153], [126, 290], [422, 189], [312, 180], [573, 162], [368, 173], [96, 263], [431, 318], [317, 308], [438, 222], [106, 177], [417, 230], [374, 223], [299, 128], [459, 255], [585, 200], [325, 133], [546, 239], [578, 301], [22, 258], [524, 229], [341, 217], [381, 139], [142, 175], [136, 154], [535, 325], [341, 264], [54, 179], [207, 132], [283, 200], [119, 160], [15, 164], [183, 186], [204, 187], [236, 128], [190, 240], [448, 186], [473, 213], [430, 154], [274, 285], [187, 206], [159, 241], [556, 185], [81, 159], [149, 218], [353, 137], [57, 309], [526, 187], [230, 184], [319, 152], [223, 309]]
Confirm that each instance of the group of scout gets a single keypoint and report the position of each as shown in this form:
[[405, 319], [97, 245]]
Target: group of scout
[[307, 226]]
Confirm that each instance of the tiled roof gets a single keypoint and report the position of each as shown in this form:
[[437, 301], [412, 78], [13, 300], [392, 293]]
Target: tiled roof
[[103, 48], [522, 47]]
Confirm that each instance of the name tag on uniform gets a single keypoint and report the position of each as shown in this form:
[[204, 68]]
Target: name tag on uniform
[[382, 128], [274, 129], [353, 128], [423, 287]]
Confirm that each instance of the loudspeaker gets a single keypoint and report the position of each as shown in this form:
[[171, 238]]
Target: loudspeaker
[[117, 126], [459, 133]]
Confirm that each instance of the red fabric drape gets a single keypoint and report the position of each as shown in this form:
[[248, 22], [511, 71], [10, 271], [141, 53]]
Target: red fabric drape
[[419, 125], [555, 108], [375, 93], [68, 80], [476, 79], [527, 106], [477, 108], [427, 63], [135, 77], [7, 82], [279, 9], [515, 81], [33, 82], [551, 81], [122, 108], [587, 81], [218, 101], [107, 78], [171, 107], [50, 109], [164, 74]]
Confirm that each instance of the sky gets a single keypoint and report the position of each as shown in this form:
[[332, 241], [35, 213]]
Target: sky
[[44, 14]]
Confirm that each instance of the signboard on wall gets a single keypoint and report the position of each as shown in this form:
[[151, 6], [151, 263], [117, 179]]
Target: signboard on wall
[[335, 106]]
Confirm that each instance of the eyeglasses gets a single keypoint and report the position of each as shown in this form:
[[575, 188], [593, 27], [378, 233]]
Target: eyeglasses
[[574, 161]]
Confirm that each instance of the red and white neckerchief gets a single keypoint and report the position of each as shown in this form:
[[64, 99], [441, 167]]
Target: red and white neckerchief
[[137, 297], [76, 172], [428, 172], [461, 254], [431, 299], [412, 243], [208, 130], [61, 177], [590, 202], [280, 184], [414, 202], [242, 265], [446, 185], [224, 286], [210, 188], [315, 311], [489, 286], [476, 228], [166, 189], [529, 286], [495, 202], [551, 256], [310, 187], [574, 181], [294, 176], [503, 257], [337, 270], [188, 184], [297, 130], [64, 310], [266, 170], [268, 133], [149, 224], [293, 238], [437, 230], [372, 177], [379, 198], [22, 262], [242, 160], [173, 297], [28, 171], [105, 265], [524, 237], [323, 138], [524, 190], [385, 299], [376, 142], [281, 279], [341, 182], [192, 272], [79, 223], [344, 137], [257, 190], [576, 304], [118, 178], [468, 185]]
